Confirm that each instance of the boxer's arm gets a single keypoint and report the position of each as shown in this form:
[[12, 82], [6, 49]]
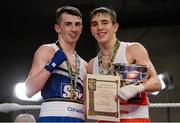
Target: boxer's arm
[[129, 91], [38, 75], [138, 53], [84, 89], [90, 66]]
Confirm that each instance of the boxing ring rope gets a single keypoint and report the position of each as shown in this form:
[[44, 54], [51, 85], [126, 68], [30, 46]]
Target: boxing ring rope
[[164, 105], [8, 107]]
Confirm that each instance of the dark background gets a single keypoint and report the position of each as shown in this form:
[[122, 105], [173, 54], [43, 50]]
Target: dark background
[[27, 24]]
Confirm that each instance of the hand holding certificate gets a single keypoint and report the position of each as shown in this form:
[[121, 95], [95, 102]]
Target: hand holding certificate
[[101, 91]]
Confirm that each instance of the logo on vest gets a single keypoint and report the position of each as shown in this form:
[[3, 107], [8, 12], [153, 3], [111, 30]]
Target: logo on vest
[[72, 109]]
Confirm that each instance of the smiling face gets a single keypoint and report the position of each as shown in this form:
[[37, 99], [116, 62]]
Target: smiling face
[[70, 27], [102, 27]]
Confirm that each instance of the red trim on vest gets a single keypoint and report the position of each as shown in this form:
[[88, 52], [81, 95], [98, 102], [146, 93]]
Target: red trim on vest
[[137, 120]]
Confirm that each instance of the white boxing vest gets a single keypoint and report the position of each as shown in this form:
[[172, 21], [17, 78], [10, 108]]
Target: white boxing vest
[[130, 109]]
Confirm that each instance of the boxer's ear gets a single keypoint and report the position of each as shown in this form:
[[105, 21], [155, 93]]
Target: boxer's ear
[[57, 28]]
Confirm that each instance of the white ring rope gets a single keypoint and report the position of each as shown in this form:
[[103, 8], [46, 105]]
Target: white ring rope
[[7, 107], [163, 105]]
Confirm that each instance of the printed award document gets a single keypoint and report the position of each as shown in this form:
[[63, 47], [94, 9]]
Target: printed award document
[[101, 91]]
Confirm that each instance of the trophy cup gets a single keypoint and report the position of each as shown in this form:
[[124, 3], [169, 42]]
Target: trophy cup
[[130, 73]]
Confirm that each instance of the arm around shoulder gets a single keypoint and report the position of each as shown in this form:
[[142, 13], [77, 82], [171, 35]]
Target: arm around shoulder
[[90, 66]]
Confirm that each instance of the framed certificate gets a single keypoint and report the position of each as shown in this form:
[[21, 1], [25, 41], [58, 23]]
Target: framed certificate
[[101, 91]]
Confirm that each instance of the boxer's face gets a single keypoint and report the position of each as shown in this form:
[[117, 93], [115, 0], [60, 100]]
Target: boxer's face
[[70, 27], [102, 27]]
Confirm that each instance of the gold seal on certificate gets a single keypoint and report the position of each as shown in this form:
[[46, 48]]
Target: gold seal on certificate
[[101, 91]]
